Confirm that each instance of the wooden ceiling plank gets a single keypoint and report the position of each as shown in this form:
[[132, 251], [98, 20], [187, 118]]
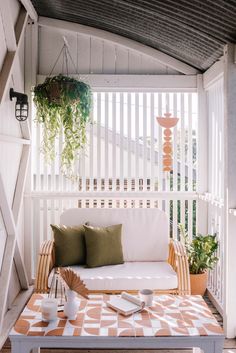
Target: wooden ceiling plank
[[119, 40]]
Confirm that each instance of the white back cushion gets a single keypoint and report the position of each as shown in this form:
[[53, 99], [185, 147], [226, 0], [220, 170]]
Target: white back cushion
[[145, 231]]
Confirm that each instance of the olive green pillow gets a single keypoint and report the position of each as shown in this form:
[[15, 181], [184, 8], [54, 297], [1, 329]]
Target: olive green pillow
[[103, 245], [69, 245]]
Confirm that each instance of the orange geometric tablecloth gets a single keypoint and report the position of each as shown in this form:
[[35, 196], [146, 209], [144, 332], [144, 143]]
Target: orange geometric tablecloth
[[169, 316]]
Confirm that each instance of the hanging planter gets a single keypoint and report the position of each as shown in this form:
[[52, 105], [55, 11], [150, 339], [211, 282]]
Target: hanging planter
[[63, 107]]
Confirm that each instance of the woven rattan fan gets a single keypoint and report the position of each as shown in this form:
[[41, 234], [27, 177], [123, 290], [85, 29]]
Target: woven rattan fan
[[74, 282]]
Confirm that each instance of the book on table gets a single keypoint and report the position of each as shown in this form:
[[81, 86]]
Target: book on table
[[125, 304]]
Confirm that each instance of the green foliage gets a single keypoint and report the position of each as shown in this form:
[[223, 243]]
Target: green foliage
[[63, 106], [201, 251]]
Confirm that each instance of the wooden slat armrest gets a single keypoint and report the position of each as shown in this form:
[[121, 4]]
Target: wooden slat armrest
[[179, 261], [46, 248], [46, 261]]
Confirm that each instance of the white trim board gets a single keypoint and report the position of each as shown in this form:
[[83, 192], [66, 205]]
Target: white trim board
[[119, 40], [142, 83], [163, 195], [30, 9], [213, 74], [14, 139]]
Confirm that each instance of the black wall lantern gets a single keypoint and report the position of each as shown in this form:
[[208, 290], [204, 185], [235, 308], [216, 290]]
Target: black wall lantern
[[21, 109]]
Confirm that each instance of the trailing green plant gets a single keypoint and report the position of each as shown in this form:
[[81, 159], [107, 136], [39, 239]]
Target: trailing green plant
[[201, 251], [63, 107]]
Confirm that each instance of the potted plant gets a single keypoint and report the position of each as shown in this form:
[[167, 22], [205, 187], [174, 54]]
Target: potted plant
[[202, 257], [63, 106]]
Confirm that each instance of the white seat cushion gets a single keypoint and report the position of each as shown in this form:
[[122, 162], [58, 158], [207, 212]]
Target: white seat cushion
[[129, 276]]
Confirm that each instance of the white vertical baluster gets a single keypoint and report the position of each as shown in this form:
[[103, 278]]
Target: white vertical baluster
[[129, 162], [36, 232], [106, 127], [159, 142], [45, 219], [190, 164], [137, 142], [121, 141], [91, 142], [53, 174], [98, 141], [60, 177], [145, 161], [39, 156], [175, 168], [114, 141], [152, 143], [182, 143], [182, 155], [167, 174]]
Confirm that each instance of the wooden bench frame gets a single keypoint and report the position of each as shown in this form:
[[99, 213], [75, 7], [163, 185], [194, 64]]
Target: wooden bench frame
[[177, 259]]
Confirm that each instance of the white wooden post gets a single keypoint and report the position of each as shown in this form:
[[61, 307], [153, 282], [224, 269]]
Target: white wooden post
[[230, 190], [202, 167], [31, 68]]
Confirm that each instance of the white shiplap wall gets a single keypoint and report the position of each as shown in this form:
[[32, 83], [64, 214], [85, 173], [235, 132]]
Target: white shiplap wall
[[93, 55]]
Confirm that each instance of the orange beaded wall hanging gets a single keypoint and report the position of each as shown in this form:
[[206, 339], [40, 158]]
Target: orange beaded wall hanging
[[167, 122]]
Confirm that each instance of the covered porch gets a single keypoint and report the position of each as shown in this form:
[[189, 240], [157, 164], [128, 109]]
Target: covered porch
[[142, 60]]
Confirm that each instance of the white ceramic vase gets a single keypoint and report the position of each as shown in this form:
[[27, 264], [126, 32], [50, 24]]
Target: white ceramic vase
[[71, 305]]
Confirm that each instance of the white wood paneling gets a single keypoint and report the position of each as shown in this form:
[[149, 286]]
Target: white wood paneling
[[13, 136], [3, 46], [82, 54], [8, 124], [14, 287], [94, 55], [14, 9], [9, 152], [3, 237], [161, 57]]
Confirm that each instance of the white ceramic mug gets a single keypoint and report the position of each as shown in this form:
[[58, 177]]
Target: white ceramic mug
[[49, 309], [146, 296]]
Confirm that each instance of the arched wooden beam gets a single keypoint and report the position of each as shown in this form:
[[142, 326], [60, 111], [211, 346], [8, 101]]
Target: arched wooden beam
[[119, 40]]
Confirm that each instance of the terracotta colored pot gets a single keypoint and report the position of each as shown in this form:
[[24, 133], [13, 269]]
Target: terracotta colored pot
[[198, 283]]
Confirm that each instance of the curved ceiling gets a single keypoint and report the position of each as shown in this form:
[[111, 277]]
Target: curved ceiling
[[194, 32]]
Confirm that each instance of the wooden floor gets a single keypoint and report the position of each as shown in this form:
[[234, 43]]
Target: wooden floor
[[229, 346]]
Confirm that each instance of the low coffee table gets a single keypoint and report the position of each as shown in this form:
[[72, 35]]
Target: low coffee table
[[172, 322]]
